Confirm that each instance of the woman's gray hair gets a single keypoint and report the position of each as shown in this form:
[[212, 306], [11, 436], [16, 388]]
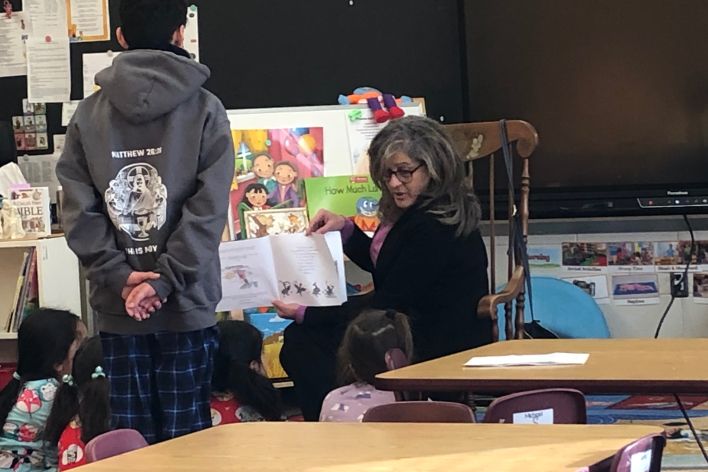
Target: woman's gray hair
[[449, 196]]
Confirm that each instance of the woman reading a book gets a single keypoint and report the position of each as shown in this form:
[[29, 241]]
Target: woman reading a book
[[427, 259]]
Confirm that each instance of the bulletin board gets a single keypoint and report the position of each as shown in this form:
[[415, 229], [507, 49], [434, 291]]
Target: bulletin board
[[282, 53]]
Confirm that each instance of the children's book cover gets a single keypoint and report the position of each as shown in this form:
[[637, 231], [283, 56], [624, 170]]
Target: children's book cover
[[270, 166], [33, 206], [354, 195]]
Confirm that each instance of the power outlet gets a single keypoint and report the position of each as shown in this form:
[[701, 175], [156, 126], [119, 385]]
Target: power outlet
[[679, 285]]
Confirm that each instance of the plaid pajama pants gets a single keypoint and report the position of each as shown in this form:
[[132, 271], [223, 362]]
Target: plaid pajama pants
[[160, 383]]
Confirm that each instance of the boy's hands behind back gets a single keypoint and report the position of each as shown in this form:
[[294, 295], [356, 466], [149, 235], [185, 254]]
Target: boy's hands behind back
[[140, 298]]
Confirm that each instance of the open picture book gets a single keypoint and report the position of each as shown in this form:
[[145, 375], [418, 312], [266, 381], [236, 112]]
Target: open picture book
[[294, 268]]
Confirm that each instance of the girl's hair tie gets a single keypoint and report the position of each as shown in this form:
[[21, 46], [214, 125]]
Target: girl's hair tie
[[68, 379], [16, 376], [98, 372]]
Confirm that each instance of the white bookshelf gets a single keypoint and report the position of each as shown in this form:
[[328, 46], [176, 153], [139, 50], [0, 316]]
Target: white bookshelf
[[57, 275]]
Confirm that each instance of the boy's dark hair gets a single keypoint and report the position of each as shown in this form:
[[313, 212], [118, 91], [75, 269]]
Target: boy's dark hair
[[43, 342], [362, 354], [86, 395], [240, 343], [254, 187], [149, 24]]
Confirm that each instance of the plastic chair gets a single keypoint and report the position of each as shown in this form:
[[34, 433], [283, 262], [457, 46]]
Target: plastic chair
[[114, 442], [643, 455], [395, 359], [567, 407], [564, 308], [419, 412]]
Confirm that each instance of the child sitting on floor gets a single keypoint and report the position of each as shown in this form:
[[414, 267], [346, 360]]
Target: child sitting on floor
[[82, 405], [360, 358], [46, 343], [240, 390]]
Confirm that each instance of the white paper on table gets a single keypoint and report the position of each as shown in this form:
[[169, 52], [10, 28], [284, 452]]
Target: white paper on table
[[47, 17], [93, 63], [48, 70], [247, 274], [67, 111], [88, 20], [533, 417], [13, 60], [306, 265], [191, 32], [555, 358], [40, 171]]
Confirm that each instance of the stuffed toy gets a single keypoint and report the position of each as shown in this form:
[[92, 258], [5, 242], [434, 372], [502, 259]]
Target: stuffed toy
[[374, 98]]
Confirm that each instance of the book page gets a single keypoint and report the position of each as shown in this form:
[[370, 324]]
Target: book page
[[247, 274], [308, 272], [334, 244]]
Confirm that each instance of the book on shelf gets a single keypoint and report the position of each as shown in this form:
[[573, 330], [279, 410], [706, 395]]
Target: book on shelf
[[26, 295], [32, 204]]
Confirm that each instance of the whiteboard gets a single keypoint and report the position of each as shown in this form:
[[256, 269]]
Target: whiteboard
[[333, 119]]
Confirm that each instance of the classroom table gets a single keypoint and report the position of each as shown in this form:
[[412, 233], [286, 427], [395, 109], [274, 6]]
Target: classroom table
[[356, 447], [633, 366]]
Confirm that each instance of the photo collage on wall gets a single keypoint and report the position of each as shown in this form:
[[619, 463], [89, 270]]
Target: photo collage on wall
[[624, 272], [30, 129]]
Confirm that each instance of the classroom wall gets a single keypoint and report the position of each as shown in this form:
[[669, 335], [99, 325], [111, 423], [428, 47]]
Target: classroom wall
[[287, 53], [686, 318]]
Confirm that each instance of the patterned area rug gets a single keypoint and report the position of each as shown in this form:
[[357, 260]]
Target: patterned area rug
[[682, 452]]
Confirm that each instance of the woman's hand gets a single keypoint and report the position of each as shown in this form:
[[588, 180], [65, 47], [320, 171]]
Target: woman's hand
[[285, 310], [326, 221]]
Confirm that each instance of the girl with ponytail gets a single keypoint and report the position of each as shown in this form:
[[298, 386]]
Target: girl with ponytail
[[82, 406], [46, 343], [361, 356], [240, 390]]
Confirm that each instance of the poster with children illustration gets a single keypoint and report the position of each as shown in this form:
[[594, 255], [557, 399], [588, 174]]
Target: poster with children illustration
[[270, 167]]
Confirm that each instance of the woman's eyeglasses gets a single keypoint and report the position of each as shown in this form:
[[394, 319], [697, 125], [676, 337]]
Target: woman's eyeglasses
[[403, 175]]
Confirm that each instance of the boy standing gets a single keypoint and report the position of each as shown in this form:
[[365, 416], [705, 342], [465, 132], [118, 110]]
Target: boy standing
[[146, 172]]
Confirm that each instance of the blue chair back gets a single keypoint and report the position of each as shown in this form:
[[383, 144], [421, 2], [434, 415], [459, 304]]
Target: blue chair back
[[563, 308]]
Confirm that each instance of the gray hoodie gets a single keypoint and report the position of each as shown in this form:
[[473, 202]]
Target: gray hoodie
[[146, 172]]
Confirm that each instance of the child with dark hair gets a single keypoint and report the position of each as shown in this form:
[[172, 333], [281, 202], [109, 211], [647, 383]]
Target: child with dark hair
[[47, 341], [255, 197], [361, 356], [240, 390], [146, 171], [81, 407]]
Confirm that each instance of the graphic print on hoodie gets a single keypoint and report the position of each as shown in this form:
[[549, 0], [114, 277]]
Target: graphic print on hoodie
[[137, 201], [146, 171]]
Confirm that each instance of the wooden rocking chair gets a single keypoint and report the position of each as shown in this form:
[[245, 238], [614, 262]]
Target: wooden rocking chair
[[482, 140]]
